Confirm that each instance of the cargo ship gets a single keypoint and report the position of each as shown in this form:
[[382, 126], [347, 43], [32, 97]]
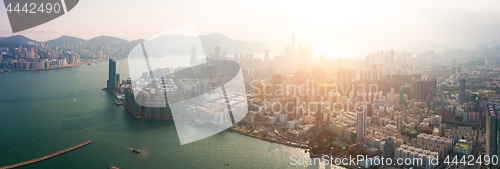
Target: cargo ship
[[136, 150]]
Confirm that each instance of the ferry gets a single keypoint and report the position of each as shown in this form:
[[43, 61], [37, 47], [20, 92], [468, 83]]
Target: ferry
[[118, 102], [136, 150]]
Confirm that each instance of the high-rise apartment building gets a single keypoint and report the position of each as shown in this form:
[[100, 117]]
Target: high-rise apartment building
[[492, 128], [401, 96], [462, 96], [292, 45], [389, 147], [361, 119], [421, 89]]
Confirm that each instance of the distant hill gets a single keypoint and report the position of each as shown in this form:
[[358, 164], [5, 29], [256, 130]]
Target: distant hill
[[423, 47], [136, 42], [181, 44], [230, 46], [496, 48], [109, 41], [68, 40], [177, 44], [18, 39]]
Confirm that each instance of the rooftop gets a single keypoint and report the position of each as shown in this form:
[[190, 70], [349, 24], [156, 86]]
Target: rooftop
[[462, 145]]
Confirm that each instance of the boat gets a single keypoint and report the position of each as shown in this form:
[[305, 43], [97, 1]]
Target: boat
[[313, 155], [118, 102], [89, 63], [136, 150], [192, 123]]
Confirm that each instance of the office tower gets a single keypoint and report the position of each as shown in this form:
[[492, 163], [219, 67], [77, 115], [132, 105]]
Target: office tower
[[309, 53], [361, 118], [112, 75], [461, 95], [367, 62], [193, 54], [217, 52], [392, 56], [319, 114], [350, 75], [266, 55], [292, 45], [492, 128], [401, 97], [290, 107], [389, 147], [391, 95]]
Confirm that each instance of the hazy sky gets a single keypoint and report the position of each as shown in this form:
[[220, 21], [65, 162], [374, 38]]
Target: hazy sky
[[337, 25]]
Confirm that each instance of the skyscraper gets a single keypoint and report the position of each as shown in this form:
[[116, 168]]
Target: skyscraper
[[399, 123], [117, 81], [217, 52], [111, 84], [361, 115], [401, 96], [391, 95], [319, 114], [266, 55], [492, 128], [292, 45], [392, 56], [193, 54], [462, 96]]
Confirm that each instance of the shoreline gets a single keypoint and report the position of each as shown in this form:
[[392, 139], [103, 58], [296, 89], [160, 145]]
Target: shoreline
[[227, 129], [271, 141], [78, 64]]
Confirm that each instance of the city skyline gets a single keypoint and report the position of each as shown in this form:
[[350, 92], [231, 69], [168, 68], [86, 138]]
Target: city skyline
[[356, 27], [252, 84]]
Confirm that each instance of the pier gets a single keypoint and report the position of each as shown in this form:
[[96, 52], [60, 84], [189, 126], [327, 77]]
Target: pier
[[47, 156]]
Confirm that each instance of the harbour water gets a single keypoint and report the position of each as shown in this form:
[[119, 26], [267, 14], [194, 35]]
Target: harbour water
[[52, 110]]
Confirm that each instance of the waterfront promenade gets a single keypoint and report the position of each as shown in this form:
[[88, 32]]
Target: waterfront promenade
[[47, 156]]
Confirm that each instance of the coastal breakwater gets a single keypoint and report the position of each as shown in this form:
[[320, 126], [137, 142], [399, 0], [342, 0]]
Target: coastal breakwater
[[47, 156]]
